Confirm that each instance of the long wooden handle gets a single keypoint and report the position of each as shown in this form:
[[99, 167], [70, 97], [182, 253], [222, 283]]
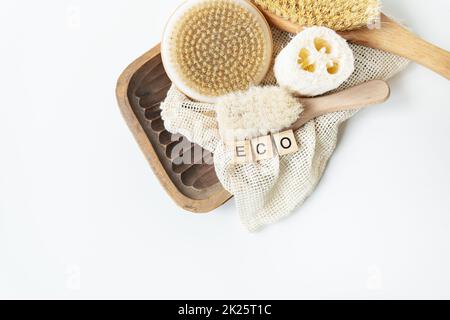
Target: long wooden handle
[[390, 37], [358, 97], [394, 38]]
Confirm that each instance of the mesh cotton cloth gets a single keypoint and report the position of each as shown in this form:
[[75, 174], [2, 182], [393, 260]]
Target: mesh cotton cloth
[[269, 190]]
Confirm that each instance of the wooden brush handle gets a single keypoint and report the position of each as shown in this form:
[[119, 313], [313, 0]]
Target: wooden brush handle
[[394, 38], [391, 37], [280, 22], [358, 97]]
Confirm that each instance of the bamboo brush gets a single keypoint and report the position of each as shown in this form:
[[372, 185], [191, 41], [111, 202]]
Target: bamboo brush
[[353, 18]]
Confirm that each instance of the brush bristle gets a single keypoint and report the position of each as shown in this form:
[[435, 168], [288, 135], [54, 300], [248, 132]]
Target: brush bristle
[[256, 112], [339, 15], [219, 46]]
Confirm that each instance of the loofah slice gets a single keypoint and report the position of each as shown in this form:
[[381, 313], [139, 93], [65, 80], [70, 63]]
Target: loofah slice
[[256, 112], [339, 15], [316, 61], [213, 47]]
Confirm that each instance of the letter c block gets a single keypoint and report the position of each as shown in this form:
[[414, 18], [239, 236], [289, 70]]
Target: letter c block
[[262, 148]]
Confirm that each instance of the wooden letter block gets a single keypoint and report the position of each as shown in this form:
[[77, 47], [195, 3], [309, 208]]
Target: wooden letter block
[[285, 142], [242, 152], [262, 148]]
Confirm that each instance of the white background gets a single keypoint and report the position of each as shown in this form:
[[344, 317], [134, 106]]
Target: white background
[[83, 216]]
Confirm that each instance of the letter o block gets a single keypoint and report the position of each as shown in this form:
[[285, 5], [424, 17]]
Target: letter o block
[[285, 142]]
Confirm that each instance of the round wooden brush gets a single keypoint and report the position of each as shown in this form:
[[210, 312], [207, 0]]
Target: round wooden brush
[[356, 20], [213, 47]]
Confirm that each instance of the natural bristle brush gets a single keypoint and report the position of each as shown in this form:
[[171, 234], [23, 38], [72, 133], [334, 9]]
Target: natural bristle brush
[[340, 15], [356, 21], [253, 113], [213, 47]]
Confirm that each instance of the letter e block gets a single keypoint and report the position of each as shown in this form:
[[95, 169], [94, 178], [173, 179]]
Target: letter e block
[[285, 142], [242, 152]]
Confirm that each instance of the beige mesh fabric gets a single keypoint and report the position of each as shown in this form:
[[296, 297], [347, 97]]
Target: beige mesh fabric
[[271, 189]]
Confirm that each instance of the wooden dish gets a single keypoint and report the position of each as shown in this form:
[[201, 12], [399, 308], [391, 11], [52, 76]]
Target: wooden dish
[[195, 187], [140, 90]]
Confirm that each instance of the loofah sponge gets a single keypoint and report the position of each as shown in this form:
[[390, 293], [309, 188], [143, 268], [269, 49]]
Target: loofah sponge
[[316, 61], [213, 47], [256, 112], [339, 15]]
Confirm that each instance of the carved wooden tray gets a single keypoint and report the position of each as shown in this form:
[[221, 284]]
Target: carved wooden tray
[[140, 90]]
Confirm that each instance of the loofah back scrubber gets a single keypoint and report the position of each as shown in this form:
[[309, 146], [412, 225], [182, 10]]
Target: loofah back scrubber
[[316, 61], [339, 15], [213, 47]]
